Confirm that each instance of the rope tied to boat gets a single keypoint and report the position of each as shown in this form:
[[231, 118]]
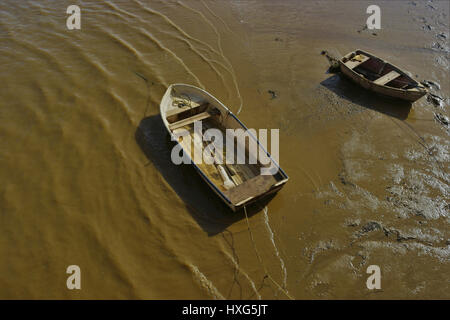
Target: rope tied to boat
[[266, 273], [182, 101], [333, 61]]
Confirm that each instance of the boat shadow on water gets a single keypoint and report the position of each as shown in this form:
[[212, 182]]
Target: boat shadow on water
[[346, 89], [211, 214]]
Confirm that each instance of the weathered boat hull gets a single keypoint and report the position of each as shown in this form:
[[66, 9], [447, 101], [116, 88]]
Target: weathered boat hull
[[238, 196], [411, 95]]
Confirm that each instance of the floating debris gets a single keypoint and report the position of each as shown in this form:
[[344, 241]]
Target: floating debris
[[273, 94]]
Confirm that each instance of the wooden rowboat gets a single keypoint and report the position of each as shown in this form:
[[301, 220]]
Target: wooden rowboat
[[379, 76], [237, 184]]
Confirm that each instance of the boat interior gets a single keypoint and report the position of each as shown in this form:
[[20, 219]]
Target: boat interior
[[239, 182], [378, 71]]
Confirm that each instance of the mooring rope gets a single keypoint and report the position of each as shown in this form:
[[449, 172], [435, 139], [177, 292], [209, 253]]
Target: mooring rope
[[267, 274], [333, 61]]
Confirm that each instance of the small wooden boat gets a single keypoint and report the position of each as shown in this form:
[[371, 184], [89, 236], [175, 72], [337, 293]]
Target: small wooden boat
[[236, 184], [380, 76]]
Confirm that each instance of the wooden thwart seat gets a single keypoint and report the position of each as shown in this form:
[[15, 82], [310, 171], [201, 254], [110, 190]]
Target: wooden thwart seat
[[388, 77], [250, 188], [352, 64], [170, 113], [178, 114], [187, 121]]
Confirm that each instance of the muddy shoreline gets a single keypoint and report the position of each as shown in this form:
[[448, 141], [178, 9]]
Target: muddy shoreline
[[82, 154]]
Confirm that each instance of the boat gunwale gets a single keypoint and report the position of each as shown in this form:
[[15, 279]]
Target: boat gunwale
[[286, 177]]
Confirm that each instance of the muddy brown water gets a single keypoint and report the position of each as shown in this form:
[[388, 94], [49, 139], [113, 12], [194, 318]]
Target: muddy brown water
[[85, 161]]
